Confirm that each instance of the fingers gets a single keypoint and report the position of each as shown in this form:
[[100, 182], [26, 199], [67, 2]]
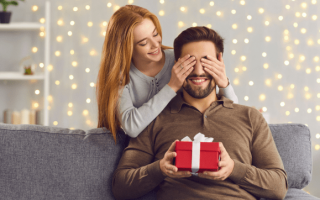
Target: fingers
[[185, 65], [172, 146], [181, 60]]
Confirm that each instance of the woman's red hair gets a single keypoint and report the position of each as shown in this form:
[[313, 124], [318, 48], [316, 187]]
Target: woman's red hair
[[115, 62]]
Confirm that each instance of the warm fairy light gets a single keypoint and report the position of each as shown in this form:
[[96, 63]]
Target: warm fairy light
[[280, 18], [70, 105], [251, 83], [234, 26], [109, 5], [314, 17], [59, 38], [242, 2], [264, 54], [291, 55], [55, 123], [233, 11], [87, 70], [34, 8], [243, 58], [279, 76], [57, 82], [317, 135], [85, 112], [233, 52], [287, 113], [249, 29], [282, 104], [318, 80], [57, 53], [316, 59], [318, 118], [162, 1], [236, 69], [41, 65], [296, 110], [72, 23], [70, 33], [90, 24], [317, 147], [290, 96], [209, 25], [104, 23], [309, 110], [87, 7], [303, 30], [268, 38], [69, 113], [261, 10], [262, 97], [71, 52], [302, 57], [317, 68], [286, 62], [267, 23], [249, 17], [71, 77], [182, 9], [246, 98], [59, 7], [92, 84], [297, 14], [296, 42], [88, 100], [304, 5], [318, 95], [244, 69], [75, 9], [34, 49], [202, 11], [286, 31], [161, 12], [236, 81], [268, 82], [74, 86], [93, 53], [130, 1], [194, 24], [234, 41], [84, 39], [211, 3], [310, 42], [74, 63], [50, 68], [286, 37], [42, 20], [266, 65], [288, 7], [37, 92], [295, 24], [219, 13], [298, 67], [246, 40], [304, 14], [314, 1], [280, 87], [116, 7], [317, 107], [104, 33], [60, 22], [42, 34], [264, 109], [306, 89], [288, 48]]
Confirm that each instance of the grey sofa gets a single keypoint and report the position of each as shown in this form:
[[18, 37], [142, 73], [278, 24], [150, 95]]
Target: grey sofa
[[52, 163]]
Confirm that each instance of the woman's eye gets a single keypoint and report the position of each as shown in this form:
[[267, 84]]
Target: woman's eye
[[156, 34], [143, 44]]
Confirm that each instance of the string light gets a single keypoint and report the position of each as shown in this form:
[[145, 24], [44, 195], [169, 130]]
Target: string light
[[75, 9], [280, 18], [162, 1], [249, 17], [233, 11], [264, 54], [261, 10], [266, 65], [161, 12], [242, 2], [202, 11], [246, 98], [87, 7], [246, 40], [109, 5], [211, 3], [34, 8], [234, 26], [34, 50], [249, 29], [59, 7], [182, 9]]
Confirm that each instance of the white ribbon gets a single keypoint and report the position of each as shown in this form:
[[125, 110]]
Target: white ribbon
[[195, 165]]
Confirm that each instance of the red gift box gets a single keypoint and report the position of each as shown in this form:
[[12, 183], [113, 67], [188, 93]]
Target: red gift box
[[208, 159]]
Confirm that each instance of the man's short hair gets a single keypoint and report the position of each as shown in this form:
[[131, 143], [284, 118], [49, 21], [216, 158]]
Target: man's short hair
[[197, 34]]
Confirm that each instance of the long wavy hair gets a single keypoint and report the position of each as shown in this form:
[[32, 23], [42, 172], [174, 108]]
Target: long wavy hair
[[115, 63]]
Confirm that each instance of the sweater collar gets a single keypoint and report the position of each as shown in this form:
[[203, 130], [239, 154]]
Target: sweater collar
[[178, 101]]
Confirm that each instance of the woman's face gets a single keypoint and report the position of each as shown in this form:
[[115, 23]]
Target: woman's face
[[147, 42]]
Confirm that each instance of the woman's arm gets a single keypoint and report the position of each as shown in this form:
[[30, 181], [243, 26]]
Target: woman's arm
[[135, 120], [229, 93]]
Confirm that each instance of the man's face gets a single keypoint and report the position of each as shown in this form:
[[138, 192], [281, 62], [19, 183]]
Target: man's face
[[199, 84]]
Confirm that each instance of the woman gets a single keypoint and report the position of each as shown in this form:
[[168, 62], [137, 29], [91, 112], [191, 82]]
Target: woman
[[138, 75]]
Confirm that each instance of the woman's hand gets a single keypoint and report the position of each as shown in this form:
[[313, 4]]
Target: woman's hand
[[216, 69], [180, 70]]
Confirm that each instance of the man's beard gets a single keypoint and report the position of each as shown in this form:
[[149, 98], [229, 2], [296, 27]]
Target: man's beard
[[199, 93]]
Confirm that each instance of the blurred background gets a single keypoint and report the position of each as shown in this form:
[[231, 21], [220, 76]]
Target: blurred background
[[272, 52]]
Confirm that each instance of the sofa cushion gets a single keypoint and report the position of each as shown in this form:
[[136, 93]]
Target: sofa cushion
[[294, 146], [42, 162], [297, 194]]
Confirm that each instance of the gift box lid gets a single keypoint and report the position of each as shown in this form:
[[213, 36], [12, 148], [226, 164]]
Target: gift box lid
[[204, 146]]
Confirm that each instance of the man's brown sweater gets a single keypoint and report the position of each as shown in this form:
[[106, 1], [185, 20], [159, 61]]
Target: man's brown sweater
[[258, 169]]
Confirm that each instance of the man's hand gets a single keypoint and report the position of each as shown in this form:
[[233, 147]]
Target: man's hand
[[166, 164], [216, 69], [226, 165]]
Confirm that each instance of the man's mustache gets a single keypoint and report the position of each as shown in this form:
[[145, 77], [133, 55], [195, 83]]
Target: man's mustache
[[200, 76]]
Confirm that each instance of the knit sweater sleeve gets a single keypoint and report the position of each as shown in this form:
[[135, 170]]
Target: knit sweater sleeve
[[229, 93], [135, 120]]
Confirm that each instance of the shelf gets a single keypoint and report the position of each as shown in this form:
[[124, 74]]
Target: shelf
[[21, 26], [20, 76]]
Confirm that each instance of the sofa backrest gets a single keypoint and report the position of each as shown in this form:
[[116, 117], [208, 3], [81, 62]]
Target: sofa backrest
[[43, 162]]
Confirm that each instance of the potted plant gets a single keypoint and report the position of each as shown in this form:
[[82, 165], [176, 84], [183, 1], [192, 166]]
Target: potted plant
[[4, 15]]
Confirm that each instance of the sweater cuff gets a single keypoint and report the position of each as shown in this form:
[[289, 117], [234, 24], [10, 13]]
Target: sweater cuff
[[239, 171], [155, 172], [169, 91]]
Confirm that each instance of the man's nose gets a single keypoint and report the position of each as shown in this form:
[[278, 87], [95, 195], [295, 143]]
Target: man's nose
[[198, 68]]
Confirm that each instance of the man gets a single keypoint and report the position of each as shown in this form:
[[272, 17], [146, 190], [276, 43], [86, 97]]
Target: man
[[250, 165]]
